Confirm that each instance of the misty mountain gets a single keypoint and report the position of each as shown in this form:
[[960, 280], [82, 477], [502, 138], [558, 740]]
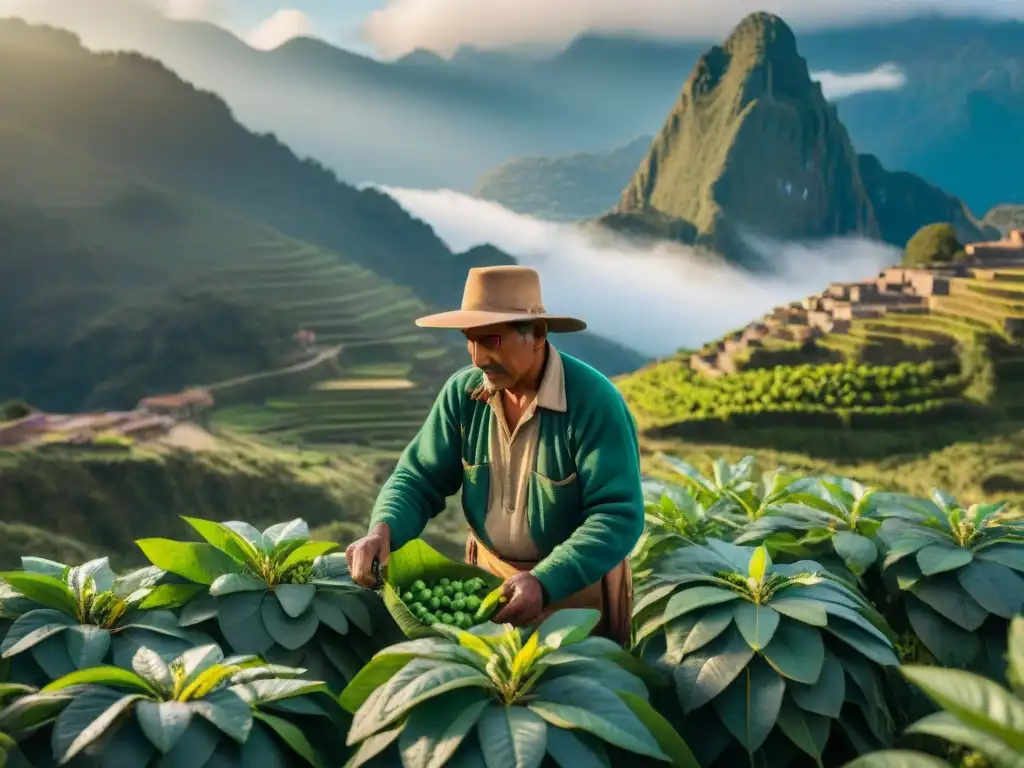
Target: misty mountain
[[132, 114], [426, 122]]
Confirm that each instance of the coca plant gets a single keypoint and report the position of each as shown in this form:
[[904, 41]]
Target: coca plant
[[201, 709], [275, 593], [555, 697], [22, 715], [977, 715], [64, 618], [771, 660], [957, 578]]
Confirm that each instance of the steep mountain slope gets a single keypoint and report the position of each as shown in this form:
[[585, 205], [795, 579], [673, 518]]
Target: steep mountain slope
[[711, 162], [564, 187], [133, 114], [483, 108]]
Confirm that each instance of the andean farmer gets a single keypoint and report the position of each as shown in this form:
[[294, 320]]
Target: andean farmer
[[545, 450]]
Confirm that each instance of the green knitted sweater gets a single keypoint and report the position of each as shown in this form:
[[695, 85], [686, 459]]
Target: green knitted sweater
[[585, 508]]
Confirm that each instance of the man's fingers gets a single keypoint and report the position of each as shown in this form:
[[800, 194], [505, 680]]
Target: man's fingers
[[513, 609]]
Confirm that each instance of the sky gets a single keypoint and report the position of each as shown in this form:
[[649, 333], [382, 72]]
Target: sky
[[391, 28]]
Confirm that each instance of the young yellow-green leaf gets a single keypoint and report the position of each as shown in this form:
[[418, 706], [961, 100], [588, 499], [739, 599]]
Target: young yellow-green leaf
[[226, 540], [46, 590], [103, 675], [169, 596], [309, 551], [200, 563], [759, 563]]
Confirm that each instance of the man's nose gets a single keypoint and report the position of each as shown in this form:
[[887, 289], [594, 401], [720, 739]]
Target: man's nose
[[478, 354]]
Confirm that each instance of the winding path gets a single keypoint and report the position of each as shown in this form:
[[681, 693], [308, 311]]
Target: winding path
[[327, 354]]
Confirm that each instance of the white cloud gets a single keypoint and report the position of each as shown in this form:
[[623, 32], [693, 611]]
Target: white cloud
[[443, 25], [653, 299], [835, 85], [279, 28]]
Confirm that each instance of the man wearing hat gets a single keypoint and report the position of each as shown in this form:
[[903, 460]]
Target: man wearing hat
[[545, 451]]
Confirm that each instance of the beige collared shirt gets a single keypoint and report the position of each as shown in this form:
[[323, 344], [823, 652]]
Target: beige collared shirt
[[513, 458]]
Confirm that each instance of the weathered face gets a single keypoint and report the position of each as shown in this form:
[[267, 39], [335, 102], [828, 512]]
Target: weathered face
[[505, 353]]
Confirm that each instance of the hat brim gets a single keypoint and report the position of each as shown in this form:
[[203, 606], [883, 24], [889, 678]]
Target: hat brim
[[464, 320]]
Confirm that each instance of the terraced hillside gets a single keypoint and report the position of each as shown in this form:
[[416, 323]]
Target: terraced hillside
[[148, 240], [374, 405], [949, 353]]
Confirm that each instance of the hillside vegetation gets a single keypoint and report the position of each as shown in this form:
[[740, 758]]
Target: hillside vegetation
[[132, 114]]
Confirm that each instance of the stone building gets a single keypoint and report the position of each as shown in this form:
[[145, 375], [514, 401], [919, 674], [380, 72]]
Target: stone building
[[184, 406]]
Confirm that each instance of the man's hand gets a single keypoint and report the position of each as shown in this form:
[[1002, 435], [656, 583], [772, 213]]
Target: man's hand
[[360, 555], [525, 600]]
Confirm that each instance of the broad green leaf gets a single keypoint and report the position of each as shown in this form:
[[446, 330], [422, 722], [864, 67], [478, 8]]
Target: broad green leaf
[[48, 591], [567, 626], [1015, 650], [939, 558], [750, 705], [295, 598], [96, 571], [974, 700], [248, 532], [201, 563], [330, 613], [417, 682], [373, 746], [44, 566], [163, 722], [291, 735], [759, 565], [796, 652], [946, 726], [32, 628], [87, 718], [824, 697], [227, 711], [670, 742], [196, 661], [705, 674], [293, 530], [288, 632], [105, 675], [309, 551], [945, 596], [258, 692], [994, 587], [712, 623], [514, 737], [225, 539], [433, 734], [951, 645], [757, 623], [897, 758], [169, 596], [596, 723], [695, 598], [87, 645], [858, 552], [807, 730], [52, 657], [868, 644], [576, 749], [148, 665], [371, 677], [231, 583], [804, 611], [1009, 554]]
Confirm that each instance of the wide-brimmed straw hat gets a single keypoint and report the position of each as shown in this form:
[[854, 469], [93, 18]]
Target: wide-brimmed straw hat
[[496, 295]]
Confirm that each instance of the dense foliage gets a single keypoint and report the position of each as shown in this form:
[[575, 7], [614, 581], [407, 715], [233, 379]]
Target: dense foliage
[[275, 593], [673, 392], [932, 244], [771, 613], [554, 692]]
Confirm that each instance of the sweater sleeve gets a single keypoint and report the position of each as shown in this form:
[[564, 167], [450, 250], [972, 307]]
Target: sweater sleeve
[[429, 471], [607, 455]]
